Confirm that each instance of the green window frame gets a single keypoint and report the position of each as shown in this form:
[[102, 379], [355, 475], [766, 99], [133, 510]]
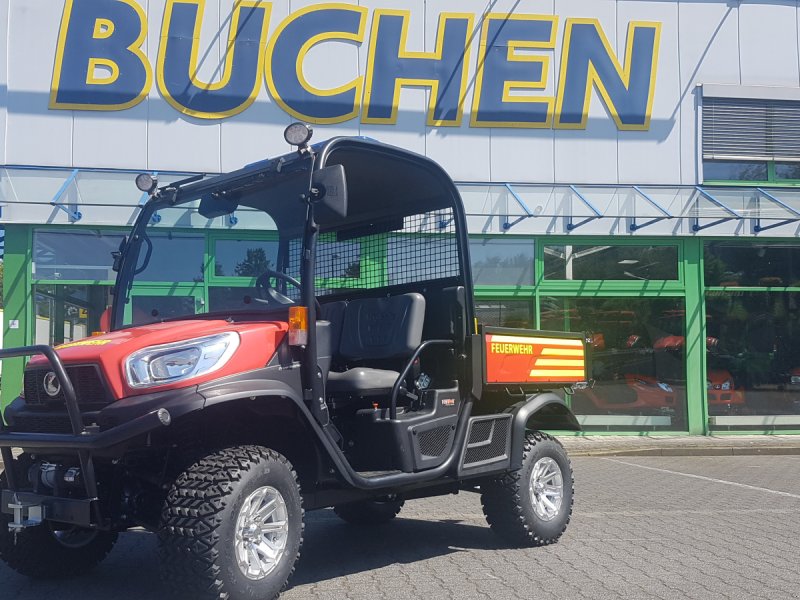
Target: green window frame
[[771, 181]]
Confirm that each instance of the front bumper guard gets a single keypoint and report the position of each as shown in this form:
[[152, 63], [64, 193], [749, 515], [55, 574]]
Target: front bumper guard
[[82, 441]]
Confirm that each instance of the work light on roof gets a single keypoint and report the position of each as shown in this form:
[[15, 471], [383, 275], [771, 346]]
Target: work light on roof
[[298, 134], [146, 183]]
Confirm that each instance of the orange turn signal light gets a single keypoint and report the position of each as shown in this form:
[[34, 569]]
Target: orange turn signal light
[[298, 325]]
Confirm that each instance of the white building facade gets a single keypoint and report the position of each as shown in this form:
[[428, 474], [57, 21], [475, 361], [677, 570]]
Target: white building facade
[[629, 168]]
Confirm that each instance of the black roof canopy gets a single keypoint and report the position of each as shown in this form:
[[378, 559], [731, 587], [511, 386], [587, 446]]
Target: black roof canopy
[[384, 183]]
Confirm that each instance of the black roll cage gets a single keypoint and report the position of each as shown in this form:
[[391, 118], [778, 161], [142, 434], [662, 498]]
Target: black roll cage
[[308, 160]]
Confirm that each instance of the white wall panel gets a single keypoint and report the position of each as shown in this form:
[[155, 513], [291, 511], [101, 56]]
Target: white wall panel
[[257, 133], [526, 155], [654, 156], [34, 134], [3, 77], [588, 155], [409, 131], [113, 139], [708, 53], [176, 141], [463, 151], [768, 42]]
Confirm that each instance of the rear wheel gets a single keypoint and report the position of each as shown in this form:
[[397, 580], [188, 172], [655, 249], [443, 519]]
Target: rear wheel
[[53, 550], [532, 506], [232, 526], [369, 512]]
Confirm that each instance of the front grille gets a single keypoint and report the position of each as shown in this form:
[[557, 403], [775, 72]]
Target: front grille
[[89, 387], [46, 423], [488, 441]]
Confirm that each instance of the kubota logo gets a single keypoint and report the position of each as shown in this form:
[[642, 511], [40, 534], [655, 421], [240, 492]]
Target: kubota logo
[[52, 386]]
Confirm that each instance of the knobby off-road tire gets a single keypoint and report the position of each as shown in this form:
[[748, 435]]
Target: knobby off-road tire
[[232, 526], [52, 550], [524, 507], [369, 512]]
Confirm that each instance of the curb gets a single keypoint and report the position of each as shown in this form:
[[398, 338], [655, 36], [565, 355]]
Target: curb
[[693, 451]]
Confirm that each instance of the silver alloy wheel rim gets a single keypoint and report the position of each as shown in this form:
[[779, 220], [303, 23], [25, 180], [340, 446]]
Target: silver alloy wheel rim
[[546, 488], [262, 532]]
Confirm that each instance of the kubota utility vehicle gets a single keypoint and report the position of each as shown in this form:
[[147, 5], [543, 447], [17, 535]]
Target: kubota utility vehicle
[[339, 381]]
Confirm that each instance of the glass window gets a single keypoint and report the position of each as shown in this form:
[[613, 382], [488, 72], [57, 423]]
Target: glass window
[[70, 255], [753, 354], [244, 258], [65, 313], [752, 264], [221, 299], [727, 170], [175, 258], [505, 313], [636, 357], [787, 170], [622, 263], [146, 308], [505, 261]]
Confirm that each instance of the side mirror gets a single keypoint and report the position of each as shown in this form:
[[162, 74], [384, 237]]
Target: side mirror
[[212, 206], [329, 191]]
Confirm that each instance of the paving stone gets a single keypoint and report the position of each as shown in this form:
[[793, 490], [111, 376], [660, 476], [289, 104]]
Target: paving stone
[[666, 528]]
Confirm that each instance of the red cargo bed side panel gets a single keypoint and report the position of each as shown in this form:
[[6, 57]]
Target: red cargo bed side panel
[[524, 357]]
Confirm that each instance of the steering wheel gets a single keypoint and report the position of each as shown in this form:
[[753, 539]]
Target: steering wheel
[[271, 295], [268, 292]]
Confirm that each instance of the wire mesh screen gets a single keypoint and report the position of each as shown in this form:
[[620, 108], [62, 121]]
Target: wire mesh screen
[[425, 249]]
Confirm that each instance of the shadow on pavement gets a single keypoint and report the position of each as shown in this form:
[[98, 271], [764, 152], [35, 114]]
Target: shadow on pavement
[[333, 548]]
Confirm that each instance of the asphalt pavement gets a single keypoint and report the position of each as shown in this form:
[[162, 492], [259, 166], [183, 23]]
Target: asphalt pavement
[[643, 527]]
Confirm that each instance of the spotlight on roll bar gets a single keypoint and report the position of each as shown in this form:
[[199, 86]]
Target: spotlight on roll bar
[[298, 134], [146, 183]]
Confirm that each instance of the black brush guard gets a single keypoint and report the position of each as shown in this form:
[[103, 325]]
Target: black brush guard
[[81, 440]]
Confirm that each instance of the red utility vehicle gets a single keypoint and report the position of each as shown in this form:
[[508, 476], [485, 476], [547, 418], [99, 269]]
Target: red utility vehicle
[[333, 383]]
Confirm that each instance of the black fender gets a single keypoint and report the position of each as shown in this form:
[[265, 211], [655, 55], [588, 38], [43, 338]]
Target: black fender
[[541, 411], [272, 382]]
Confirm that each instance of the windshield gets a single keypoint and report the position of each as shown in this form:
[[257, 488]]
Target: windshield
[[233, 243], [188, 265]]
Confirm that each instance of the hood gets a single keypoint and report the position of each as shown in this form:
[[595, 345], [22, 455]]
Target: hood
[[258, 342]]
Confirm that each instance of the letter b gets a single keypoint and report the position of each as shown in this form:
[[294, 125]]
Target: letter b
[[99, 61]]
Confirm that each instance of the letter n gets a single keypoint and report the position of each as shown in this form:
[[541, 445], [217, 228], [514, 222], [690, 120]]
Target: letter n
[[626, 89]]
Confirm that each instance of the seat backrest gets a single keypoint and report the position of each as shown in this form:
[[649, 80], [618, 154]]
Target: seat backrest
[[334, 313], [382, 328]]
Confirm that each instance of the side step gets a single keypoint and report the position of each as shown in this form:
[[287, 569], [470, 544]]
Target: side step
[[488, 444], [414, 441]]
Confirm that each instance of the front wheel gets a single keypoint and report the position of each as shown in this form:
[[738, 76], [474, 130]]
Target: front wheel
[[53, 550], [232, 526], [532, 506]]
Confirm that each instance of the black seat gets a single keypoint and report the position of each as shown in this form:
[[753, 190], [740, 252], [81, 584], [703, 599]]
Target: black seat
[[377, 330]]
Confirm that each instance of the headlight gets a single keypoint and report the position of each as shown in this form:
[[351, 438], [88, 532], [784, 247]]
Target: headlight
[[726, 385], [709, 385], [170, 363], [665, 387], [795, 379]]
